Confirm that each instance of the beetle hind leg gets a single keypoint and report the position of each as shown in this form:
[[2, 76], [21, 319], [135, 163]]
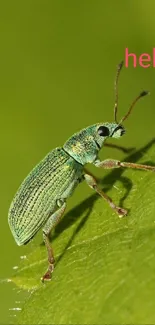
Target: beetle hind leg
[[50, 224]]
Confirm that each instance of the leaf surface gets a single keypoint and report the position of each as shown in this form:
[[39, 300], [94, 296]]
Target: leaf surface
[[105, 266]]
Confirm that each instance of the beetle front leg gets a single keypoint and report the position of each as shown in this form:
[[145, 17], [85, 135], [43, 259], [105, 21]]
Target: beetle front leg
[[50, 224], [111, 163], [92, 183]]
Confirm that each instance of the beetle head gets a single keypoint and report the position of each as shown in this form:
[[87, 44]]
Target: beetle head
[[84, 145]]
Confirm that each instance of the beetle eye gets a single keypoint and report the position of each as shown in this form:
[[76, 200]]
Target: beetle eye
[[103, 131]]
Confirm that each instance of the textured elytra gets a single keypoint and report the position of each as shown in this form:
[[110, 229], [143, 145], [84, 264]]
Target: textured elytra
[[37, 196]]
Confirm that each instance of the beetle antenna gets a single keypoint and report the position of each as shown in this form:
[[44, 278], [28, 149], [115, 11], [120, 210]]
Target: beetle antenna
[[119, 67], [143, 93]]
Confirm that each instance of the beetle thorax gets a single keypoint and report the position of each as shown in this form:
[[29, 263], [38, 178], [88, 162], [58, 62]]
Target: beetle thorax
[[85, 145], [81, 147]]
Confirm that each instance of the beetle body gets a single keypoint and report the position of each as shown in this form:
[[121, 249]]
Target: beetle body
[[53, 179], [41, 199]]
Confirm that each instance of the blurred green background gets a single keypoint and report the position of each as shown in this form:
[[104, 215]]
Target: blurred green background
[[57, 67]]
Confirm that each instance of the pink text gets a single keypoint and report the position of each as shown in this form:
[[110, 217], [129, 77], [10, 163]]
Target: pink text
[[144, 60]]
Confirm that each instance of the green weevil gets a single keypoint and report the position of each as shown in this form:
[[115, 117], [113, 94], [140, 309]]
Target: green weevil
[[41, 199]]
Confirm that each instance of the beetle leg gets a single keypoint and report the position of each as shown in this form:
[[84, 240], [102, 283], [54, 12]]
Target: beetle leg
[[111, 163], [92, 183], [50, 224]]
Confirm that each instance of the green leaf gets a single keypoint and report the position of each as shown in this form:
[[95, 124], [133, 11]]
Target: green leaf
[[105, 266]]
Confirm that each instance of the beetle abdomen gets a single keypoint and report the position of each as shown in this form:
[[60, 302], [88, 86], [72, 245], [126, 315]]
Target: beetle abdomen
[[37, 196]]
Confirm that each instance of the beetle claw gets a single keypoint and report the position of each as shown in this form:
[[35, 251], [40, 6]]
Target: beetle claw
[[121, 212], [46, 277]]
